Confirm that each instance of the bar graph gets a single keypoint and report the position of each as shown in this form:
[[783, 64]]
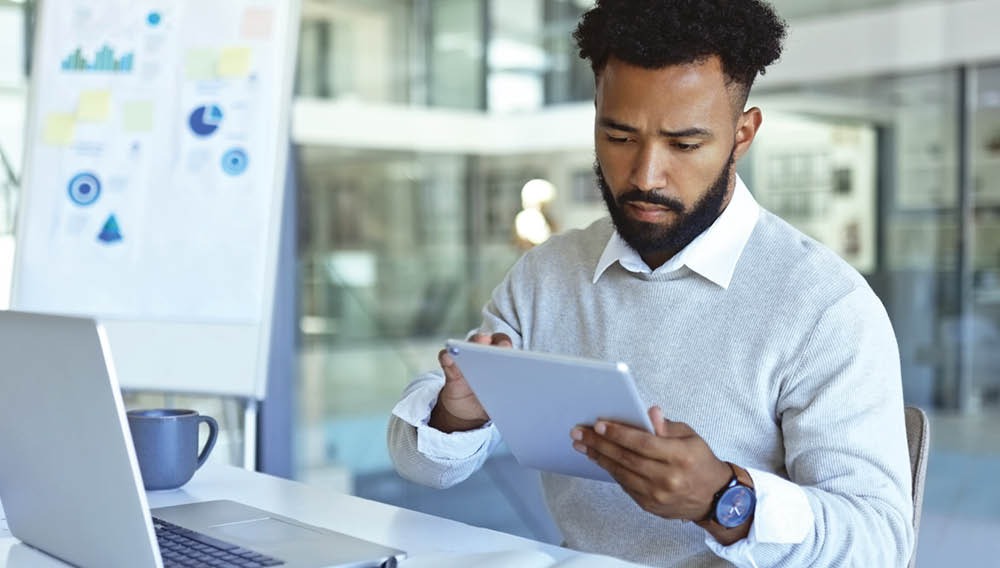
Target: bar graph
[[104, 61]]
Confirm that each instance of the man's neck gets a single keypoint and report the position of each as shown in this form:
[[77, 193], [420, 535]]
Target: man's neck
[[655, 260]]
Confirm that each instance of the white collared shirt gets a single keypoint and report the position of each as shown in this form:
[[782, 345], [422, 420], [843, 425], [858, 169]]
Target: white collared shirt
[[713, 254]]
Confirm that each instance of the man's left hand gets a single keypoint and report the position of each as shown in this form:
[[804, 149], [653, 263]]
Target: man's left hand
[[672, 473]]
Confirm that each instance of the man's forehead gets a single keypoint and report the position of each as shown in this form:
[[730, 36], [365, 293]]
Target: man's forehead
[[698, 88], [707, 72]]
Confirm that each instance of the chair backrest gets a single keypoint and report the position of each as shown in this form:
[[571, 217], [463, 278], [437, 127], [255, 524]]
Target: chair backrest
[[918, 439]]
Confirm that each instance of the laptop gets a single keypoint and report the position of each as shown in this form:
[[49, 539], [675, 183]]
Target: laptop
[[70, 482]]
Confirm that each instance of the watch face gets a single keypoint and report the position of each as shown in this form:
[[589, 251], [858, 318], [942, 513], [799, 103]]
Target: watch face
[[735, 506]]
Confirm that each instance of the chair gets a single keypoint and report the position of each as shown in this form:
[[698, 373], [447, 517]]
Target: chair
[[918, 440]]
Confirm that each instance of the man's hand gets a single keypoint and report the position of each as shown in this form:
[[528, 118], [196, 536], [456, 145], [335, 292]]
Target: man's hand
[[672, 473], [457, 408]]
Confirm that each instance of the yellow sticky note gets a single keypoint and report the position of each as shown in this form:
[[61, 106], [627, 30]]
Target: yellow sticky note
[[199, 63], [137, 116], [234, 62], [59, 128], [94, 106]]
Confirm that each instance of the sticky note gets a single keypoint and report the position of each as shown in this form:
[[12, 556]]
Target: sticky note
[[94, 106], [59, 128], [137, 116], [256, 23], [199, 63], [234, 62]]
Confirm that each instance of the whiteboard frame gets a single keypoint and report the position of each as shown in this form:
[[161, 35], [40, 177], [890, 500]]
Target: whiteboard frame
[[196, 358]]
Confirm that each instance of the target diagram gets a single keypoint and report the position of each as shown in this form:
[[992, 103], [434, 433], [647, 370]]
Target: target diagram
[[84, 188], [234, 162]]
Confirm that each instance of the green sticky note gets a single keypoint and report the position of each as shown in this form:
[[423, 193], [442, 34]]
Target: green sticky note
[[137, 116], [199, 63]]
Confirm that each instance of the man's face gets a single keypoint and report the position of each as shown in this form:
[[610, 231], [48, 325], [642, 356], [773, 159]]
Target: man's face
[[666, 142]]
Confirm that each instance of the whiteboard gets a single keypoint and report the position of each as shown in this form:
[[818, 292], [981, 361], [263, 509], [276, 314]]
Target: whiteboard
[[155, 165]]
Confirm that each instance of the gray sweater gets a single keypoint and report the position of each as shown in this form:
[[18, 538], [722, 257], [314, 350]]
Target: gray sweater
[[793, 370]]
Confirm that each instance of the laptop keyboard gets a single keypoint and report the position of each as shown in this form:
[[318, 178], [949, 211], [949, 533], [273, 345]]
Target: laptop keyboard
[[184, 548]]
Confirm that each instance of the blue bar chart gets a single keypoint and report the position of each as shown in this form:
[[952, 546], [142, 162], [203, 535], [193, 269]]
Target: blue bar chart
[[104, 61]]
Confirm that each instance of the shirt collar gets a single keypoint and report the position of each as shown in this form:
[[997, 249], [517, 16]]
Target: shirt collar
[[713, 254]]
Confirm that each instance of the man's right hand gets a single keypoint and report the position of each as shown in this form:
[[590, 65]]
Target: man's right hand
[[457, 407]]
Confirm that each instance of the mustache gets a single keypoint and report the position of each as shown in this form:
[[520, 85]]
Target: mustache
[[652, 198]]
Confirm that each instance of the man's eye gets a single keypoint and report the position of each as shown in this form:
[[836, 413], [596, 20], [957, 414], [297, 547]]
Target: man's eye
[[686, 147], [616, 139]]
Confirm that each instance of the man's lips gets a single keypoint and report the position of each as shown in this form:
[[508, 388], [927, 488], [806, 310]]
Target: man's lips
[[648, 212]]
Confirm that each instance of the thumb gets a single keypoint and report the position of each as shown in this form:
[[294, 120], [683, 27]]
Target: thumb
[[656, 417]]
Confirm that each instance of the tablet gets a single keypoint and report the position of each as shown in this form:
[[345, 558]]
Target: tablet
[[535, 399]]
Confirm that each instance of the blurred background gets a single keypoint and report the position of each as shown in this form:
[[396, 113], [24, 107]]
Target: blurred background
[[417, 126]]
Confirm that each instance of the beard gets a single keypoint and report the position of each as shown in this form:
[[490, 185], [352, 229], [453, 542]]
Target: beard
[[649, 238]]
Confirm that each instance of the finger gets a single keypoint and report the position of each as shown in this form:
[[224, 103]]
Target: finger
[[502, 340], [639, 464], [656, 417], [632, 483], [480, 338], [651, 446], [451, 371]]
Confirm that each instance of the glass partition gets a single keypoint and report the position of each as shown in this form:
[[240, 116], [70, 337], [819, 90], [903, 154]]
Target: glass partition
[[895, 138], [357, 50], [984, 324]]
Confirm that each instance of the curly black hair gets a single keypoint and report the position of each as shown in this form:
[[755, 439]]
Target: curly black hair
[[745, 34]]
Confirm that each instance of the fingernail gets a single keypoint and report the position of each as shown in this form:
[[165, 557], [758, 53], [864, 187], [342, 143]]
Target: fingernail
[[579, 447], [576, 434], [600, 428]]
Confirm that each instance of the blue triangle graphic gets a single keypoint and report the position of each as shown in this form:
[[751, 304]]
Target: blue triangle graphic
[[110, 233]]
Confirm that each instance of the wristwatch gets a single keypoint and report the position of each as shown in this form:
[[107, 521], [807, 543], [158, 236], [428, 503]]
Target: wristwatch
[[734, 504]]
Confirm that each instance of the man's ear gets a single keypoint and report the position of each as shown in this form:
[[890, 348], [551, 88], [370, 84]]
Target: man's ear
[[747, 126]]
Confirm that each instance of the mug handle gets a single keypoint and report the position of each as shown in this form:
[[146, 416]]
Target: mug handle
[[213, 433]]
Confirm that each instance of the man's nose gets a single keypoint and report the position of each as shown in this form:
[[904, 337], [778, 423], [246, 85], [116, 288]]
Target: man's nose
[[649, 168]]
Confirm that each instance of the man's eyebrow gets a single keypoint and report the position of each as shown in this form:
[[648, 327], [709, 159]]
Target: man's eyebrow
[[608, 123], [692, 132]]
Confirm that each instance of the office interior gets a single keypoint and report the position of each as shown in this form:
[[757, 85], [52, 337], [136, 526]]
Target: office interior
[[434, 141]]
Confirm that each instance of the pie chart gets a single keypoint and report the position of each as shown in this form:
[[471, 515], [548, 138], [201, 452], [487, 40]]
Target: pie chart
[[205, 120]]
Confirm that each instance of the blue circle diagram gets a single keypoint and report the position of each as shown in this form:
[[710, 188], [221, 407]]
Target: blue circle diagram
[[84, 189], [205, 120], [234, 162]]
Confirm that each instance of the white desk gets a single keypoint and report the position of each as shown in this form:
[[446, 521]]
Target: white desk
[[416, 533]]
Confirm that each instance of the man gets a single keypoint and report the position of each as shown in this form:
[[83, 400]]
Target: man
[[780, 438]]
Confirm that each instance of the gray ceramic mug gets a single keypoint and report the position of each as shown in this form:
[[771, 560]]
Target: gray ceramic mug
[[166, 445]]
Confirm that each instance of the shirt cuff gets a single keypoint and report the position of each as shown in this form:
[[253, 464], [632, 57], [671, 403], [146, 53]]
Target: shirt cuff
[[782, 516], [415, 409]]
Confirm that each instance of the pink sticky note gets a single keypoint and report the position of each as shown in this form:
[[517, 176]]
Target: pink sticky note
[[257, 23]]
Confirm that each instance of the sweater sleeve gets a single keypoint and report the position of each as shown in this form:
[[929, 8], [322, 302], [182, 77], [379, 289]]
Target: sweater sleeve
[[841, 414], [426, 455]]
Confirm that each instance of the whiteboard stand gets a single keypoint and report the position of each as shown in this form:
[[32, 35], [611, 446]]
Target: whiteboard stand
[[250, 434]]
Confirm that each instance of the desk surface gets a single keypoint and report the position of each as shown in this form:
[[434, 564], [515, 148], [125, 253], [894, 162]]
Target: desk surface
[[416, 533]]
